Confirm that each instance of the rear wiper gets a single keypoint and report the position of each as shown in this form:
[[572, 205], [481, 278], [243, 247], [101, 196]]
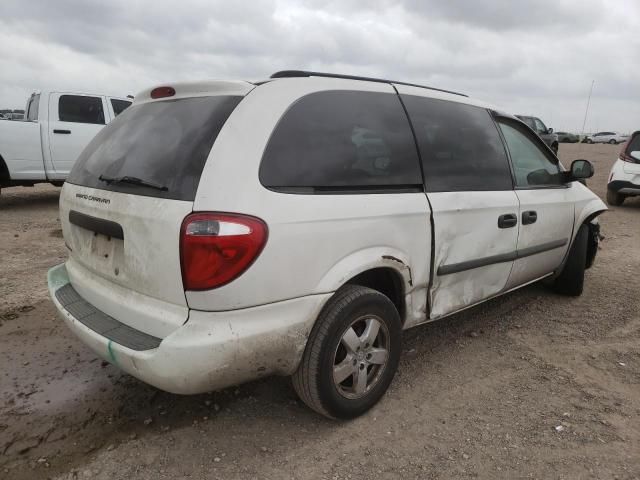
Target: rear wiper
[[132, 181]]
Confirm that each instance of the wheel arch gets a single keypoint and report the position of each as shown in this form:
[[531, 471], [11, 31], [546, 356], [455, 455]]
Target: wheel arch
[[383, 269]]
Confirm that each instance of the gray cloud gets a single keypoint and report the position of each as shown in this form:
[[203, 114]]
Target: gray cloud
[[527, 57]]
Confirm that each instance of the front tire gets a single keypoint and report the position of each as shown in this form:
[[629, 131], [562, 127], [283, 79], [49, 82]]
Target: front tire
[[352, 353], [571, 279], [614, 198], [554, 147], [613, 142]]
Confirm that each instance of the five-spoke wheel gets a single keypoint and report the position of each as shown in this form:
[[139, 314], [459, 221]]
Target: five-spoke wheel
[[352, 353]]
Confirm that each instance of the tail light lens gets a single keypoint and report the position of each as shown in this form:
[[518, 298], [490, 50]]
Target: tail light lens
[[217, 248]]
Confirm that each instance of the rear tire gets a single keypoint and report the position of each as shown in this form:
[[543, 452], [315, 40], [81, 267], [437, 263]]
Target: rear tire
[[554, 147], [614, 198], [571, 279], [344, 371], [613, 142]]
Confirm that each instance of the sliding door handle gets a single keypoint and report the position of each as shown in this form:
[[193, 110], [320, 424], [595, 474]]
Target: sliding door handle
[[66, 132], [529, 217], [507, 220]]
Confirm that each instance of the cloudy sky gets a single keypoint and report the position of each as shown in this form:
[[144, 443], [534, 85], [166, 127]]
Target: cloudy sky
[[526, 56]]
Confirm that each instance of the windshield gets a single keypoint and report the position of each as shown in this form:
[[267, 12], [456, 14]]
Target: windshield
[[162, 143]]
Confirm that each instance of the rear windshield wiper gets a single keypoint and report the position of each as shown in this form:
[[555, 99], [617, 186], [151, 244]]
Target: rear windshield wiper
[[132, 181]]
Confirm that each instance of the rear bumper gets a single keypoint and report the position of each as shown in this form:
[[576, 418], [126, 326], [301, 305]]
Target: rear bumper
[[624, 187], [212, 350]]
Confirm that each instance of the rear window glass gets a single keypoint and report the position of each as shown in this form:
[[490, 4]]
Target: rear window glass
[[164, 144], [340, 141], [80, 109], [634, 144]]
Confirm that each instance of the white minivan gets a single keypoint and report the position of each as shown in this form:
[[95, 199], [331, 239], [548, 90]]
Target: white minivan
[[222, 231]]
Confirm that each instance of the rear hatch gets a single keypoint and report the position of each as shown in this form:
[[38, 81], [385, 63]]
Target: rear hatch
[[123, 204]]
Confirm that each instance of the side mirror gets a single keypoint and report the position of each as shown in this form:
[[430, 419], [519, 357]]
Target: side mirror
[[550, 130], [635, 155], [580, 170]]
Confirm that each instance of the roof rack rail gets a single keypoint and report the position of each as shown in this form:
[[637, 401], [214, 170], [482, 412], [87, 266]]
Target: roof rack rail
[[305, 73]]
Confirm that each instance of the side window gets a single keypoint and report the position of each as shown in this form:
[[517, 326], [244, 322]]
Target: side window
[[119, 106], [34, 105], [341, 139], [540, 127], [80, 109], [460, 146], [531, 166]]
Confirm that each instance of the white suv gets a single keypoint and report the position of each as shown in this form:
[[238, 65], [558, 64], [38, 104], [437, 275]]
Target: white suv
[[624, 179], [606, 137], [223, 231]]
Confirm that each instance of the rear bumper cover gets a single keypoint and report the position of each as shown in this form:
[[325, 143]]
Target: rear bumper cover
[[212, 350], [624, 187]]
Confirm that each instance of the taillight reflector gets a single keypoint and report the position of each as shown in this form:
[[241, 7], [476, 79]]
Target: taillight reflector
[[216, 248], [162, 92]]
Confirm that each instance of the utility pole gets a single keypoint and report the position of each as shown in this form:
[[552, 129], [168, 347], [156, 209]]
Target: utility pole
[[584, 122]]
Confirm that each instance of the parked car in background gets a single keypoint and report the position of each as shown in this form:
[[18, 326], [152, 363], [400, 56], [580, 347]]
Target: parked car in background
[[624, 179], [606, 137], [547, 135], [222, 231], [3, 117], [44, 147], [566, 137], [17, 116]]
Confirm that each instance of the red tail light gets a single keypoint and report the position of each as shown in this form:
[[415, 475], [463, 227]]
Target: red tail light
[[216, 248], [162, 92]]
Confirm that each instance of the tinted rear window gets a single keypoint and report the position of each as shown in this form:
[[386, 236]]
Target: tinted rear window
[[342, 140], [165, 143], [634, 144]]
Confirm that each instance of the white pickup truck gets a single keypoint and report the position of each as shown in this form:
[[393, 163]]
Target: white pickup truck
[[56, 128]]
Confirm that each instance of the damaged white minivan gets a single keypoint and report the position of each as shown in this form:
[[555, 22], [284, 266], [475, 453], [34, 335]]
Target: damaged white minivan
[[223, 231]]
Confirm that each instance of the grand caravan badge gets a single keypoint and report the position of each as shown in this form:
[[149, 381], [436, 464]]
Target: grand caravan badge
[[91, 198]]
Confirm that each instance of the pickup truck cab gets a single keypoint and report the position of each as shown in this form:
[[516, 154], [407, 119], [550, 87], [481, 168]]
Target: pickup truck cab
[[545, 133], [223, 231], [57, 127]]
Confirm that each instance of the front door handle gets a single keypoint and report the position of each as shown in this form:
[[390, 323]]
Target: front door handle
[[66, 132], [529, 217], [507, 220]]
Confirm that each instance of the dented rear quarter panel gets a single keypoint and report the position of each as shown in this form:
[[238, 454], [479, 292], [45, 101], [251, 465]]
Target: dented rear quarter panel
[[316, 243]]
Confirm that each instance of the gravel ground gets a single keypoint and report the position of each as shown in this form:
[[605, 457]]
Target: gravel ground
[[529, 385]]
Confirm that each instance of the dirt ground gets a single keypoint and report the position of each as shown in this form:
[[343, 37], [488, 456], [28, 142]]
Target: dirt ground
[[530, 385]]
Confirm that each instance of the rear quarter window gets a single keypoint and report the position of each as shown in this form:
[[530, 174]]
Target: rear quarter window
[[165, 143], [342, 141]]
